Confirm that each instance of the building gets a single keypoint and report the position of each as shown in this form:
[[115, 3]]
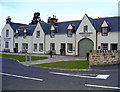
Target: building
[[70, 37]]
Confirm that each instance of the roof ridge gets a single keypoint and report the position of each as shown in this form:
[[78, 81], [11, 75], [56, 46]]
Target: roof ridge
[[106, 17]]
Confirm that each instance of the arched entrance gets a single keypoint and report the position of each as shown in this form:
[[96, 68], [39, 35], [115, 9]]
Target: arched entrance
[[84, 46]]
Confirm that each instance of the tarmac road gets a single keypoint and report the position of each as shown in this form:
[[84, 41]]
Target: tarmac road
[[16, 76]]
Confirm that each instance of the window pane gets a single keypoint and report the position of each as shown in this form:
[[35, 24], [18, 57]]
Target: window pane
[[52, 46], [104, 31], [41, 47], [69, 33], [104, 46], [6, 45], [35, 47], [38, 34], [7, 33], [70, 47]]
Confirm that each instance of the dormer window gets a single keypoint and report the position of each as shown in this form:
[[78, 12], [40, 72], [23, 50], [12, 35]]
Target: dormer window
[[25, 33], [104, 28], [52, 32], [69, 34], [85, 29], [69, 30], [38, 34], [104, 31]]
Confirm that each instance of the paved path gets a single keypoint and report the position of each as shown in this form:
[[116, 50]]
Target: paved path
[[55, 58]]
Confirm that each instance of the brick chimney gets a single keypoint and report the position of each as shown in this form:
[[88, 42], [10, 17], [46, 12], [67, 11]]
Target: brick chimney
[[8, 20]]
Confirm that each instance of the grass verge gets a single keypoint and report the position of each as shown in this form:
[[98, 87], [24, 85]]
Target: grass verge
[[66, 65], [22, 58]]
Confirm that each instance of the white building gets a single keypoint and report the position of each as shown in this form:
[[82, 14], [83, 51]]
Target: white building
[[71, 37]]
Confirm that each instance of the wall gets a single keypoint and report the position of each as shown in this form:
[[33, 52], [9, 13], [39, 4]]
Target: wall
[[80, 34], [9, 39], [21, 40], [38, 40], [104, 57], [58, 39], [111, 38]]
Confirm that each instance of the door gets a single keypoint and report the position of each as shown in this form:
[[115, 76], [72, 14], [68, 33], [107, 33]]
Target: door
[[63, 49], [16, 47], [84, 47]]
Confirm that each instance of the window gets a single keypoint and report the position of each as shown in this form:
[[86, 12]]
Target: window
[[70, 47], [24, 35], [85, 28], [52, 34], [35, 47], [6, 44], [104, 46], [38, 34], [104, 31], [113, 46], [69, 34], [41, 47], [52, 46], [7, 33], [24, 46]]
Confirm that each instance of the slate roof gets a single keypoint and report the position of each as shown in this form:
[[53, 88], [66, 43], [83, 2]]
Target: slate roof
[[112, 22], [61, 27], [29, 28], [20, 27]]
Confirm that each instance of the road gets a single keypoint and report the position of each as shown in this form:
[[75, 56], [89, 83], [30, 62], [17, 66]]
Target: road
[[16, 76]]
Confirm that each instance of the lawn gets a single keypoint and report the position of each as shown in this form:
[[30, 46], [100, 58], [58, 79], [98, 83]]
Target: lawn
[[22, 58], [66, 65]]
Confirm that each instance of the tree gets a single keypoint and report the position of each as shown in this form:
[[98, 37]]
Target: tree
[[36, 18]]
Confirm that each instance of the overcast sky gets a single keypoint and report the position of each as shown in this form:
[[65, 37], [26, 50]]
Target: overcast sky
[[22, 11]]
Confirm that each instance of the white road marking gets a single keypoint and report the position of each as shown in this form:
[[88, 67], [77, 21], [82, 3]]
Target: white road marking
[[97, 77], [99, 86], [24, 77]]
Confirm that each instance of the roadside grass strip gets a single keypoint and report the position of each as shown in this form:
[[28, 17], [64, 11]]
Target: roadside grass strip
[[66, 65], [21, 58], [19, 76], [99, 76], [100, 86]]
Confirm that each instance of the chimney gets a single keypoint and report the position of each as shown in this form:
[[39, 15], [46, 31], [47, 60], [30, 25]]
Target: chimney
[[8, 20], [52, 20]]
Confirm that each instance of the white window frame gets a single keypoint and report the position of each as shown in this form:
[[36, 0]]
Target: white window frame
[[6, 44], [69, 33], [37, 34], [41, 47], [35, 47], [24, 46], [104, 46], [104, 31], [7, 33], [85, 28], [52, 46], [70, 47]]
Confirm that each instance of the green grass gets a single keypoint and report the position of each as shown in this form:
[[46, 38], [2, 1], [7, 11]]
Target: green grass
[[66, 65], [22, 58]]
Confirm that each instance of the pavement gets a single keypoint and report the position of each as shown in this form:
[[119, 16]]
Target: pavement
[[55, 58]]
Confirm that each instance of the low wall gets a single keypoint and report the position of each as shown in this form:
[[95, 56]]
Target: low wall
[[104, 57]]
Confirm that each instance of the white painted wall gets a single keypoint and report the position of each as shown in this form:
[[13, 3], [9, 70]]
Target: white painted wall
[[58, 39], [79, 36], [10, 39], [38, 40], [111, 38], [21, 40]]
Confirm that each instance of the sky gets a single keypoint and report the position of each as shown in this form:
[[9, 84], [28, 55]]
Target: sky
[[22, 11]]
